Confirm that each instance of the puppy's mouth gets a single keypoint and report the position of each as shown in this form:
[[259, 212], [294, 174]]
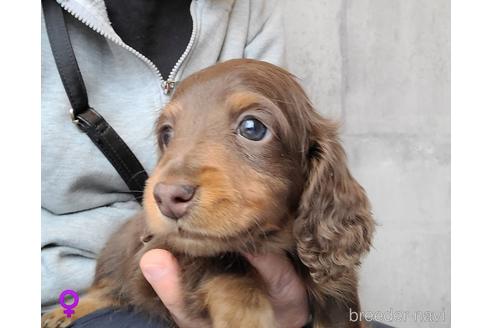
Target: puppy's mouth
[[255, 231], [188, 234]]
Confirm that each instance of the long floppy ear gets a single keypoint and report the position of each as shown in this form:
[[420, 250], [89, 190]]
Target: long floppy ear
[[334, 225]]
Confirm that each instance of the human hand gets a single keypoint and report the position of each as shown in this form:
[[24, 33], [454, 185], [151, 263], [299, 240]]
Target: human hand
[[287, 293]]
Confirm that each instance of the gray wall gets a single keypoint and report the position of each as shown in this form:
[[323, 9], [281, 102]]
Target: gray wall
[[382, 67]]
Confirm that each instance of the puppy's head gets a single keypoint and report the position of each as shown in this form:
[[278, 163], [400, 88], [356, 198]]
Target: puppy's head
[[246, 161], [230, 171]]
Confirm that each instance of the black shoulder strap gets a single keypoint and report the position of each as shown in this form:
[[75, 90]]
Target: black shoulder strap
[[85, 117]]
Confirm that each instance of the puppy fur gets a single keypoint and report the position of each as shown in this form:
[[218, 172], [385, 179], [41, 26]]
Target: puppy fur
[[289, 193]]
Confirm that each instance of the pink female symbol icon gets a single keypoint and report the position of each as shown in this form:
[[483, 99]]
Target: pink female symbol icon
[[69, 307]]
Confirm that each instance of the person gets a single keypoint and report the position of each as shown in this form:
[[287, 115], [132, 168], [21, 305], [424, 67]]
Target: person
[[131, 55]]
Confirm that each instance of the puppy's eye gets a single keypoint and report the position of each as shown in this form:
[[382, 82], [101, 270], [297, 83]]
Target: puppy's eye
[[166, 135], [252, 129]]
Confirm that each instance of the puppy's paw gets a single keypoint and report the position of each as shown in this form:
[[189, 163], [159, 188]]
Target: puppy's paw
[[258, 318], [94, 300], [56, 319], [237, 302]]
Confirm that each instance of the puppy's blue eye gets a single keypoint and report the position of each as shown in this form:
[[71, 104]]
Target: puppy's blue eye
[[252, 129]]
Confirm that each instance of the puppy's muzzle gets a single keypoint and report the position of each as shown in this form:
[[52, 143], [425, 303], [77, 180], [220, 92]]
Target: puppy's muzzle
[[174, 200]]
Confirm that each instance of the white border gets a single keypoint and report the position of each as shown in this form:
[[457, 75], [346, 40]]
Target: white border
[[471, 165], [20, 164]]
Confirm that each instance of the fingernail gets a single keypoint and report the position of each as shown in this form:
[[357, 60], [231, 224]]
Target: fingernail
[[154, 273]]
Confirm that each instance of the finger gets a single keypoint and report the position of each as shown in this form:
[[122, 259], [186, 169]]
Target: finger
[[286, 288], [162, 271], [278, 273]]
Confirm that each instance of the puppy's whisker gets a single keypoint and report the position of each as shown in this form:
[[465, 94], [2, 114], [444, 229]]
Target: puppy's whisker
[[255, 220], [245, 242], [252, 239]]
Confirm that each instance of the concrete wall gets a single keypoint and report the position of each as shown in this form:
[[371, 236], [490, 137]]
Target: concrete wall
[[383, 68]]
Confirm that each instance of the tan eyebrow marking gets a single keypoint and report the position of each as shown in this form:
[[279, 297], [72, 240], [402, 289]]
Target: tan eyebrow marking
[[242, 100], [239, 100]]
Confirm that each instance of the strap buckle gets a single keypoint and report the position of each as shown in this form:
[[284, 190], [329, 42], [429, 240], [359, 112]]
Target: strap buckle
[[75, 120], [89, 118]]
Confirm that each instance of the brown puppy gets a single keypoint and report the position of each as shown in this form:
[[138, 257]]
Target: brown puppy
[[246, 165]]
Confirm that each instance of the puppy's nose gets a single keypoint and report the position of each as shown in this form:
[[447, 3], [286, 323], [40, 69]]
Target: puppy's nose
[[173, 200]]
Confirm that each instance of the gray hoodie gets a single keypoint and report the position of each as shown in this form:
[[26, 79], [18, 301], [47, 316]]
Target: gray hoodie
[[83, 198]]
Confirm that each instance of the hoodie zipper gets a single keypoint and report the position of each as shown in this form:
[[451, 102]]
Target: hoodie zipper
[[167, 85], [170, 83]]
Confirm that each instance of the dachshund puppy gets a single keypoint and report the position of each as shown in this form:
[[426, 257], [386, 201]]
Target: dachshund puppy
[[246, 165]]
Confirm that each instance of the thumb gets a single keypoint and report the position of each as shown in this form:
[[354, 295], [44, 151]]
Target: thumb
[[161, 269]]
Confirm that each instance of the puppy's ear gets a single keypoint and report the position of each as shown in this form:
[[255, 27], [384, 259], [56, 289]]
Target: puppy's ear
[[334, 225]]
